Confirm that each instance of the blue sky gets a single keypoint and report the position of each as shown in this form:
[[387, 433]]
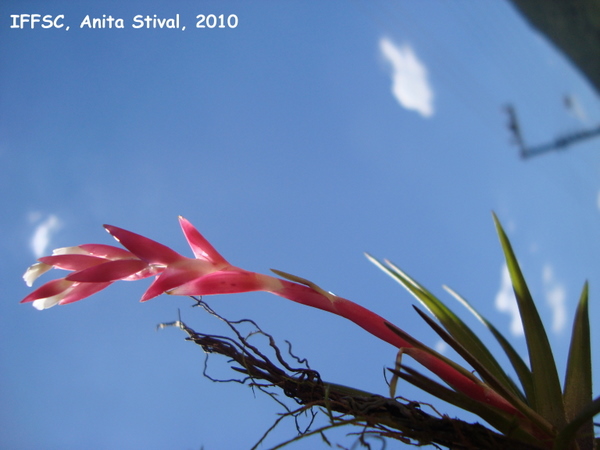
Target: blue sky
[[305, 136]]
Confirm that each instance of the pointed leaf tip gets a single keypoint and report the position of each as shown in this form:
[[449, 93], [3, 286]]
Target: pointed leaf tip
[[200, 246], [142, 247], [548, 392], [108, 271], [304, 281], [578, 379]]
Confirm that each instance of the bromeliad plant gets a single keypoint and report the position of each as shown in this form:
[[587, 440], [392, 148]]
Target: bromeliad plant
[[538, 412]]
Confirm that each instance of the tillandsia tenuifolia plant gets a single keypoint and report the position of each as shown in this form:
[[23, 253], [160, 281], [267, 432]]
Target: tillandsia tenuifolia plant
[[538, 412]]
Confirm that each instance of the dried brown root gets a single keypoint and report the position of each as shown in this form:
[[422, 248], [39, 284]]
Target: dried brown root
[[377, 416]]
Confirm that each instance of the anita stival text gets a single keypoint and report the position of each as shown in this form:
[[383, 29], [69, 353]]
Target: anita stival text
[[32, 21]]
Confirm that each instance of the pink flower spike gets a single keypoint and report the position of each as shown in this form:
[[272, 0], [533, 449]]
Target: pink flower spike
[[107, 251], [144, 248], [109, 271], [50, 289], [72, 262], [231, 281], [149, 271], [79, 291], [168, 280], [200, 246]]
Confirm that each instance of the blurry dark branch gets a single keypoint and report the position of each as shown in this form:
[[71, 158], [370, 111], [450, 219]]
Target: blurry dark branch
[[515, 127], [376, 415], [560, 143], [573, 26]]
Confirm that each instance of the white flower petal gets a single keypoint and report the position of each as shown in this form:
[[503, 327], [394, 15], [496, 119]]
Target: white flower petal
[[48, 302], [34, 271], [69, 251]]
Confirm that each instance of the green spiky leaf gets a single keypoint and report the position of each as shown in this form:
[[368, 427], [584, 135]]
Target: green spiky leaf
[[515, 359], [499, 421], [548, 394], [452, 323], [422, 347], [578, 380], [566, 435], [488, 377], [533, 421]]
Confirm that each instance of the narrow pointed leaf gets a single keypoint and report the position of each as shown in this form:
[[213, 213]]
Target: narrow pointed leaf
[[517, 362], [566, 435], [81, 291], [464, 382], [200, 246], [142, 247], [422, 347], [448, 395], [49, 289], [108, 271], [106, 251], [506, 424], [452, 323], [304, 281], [72, 262], [578, 380], [548, 395], [487, 376]]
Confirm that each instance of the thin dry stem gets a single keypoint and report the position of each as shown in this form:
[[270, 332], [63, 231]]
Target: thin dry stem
[[377, 415]]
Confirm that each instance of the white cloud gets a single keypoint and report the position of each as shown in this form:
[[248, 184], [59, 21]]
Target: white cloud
[[507, 303], [42, 234], [410, 84], [556, 297]]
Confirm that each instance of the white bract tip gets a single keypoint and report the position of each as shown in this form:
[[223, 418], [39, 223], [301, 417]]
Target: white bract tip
[[69, 251], [34, 271], [45, 303]]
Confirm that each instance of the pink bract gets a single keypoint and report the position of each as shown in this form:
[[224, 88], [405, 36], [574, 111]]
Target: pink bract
[[95, 266]]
